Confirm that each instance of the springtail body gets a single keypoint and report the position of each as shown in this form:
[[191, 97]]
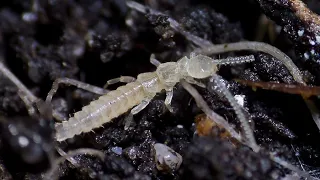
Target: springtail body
[[147, 85]]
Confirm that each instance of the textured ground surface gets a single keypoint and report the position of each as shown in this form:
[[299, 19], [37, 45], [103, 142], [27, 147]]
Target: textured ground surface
[[94, 41]]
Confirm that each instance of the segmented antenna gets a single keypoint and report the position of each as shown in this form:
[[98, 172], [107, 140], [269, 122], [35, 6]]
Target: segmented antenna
[[235, 60]]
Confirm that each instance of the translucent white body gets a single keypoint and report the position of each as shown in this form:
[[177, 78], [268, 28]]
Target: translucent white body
[[166, 158], [146, 86], [109, 106]]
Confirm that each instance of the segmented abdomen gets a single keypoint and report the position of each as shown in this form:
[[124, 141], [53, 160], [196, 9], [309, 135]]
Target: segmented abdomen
[[101, 111]]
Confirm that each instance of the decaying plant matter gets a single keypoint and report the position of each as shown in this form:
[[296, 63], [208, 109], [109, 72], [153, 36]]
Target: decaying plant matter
[[301, 25]]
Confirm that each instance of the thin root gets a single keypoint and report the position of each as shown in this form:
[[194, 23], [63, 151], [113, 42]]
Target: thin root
[[222, 122], [25, 94], [27, 102], [173, 23], [292, 167], [73, 82], [205, 108], [303, 90], [222, 89]]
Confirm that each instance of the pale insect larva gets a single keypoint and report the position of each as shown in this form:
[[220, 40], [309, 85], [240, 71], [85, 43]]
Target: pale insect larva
[[140, 92]]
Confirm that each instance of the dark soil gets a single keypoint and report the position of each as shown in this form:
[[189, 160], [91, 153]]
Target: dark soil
[[91, 41]]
